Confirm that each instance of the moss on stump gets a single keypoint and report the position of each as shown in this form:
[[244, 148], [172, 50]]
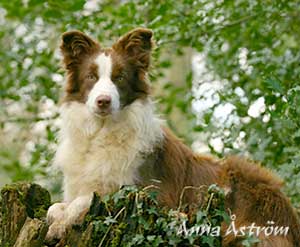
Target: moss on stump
[[129, 217]]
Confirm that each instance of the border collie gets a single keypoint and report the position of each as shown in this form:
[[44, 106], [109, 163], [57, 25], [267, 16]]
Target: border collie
[[110, 136]]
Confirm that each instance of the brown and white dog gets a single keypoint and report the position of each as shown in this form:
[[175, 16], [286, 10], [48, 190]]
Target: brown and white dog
[[110, 136]]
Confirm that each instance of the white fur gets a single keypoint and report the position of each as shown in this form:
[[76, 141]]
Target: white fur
[[56, 212], [101, 155], [104, 86], [76, 207], [56, 218]]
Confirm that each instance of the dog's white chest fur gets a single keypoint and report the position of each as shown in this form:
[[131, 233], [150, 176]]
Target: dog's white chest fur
[[97, 155]]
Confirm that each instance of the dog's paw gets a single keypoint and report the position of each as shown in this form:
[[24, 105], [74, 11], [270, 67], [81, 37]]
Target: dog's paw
[[55, 232], [56, 212]]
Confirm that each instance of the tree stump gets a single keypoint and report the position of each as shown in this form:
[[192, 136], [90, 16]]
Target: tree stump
[[22, 214], [32, 233], [128, 217]]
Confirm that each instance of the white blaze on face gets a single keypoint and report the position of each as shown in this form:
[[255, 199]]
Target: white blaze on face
[[104, 85]]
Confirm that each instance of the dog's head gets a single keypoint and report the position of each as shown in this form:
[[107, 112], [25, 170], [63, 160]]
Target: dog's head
[[106, 80]]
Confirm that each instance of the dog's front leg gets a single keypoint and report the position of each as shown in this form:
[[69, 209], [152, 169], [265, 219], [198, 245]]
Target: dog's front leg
[[61, 216], [77, 207], [56, 216], [56, 212]]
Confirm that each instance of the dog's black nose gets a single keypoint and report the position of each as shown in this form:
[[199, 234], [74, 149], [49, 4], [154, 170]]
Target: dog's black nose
[[103, 101]]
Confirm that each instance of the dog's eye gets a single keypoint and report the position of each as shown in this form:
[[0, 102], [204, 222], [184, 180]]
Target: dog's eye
[[91, 77], [119, 79]]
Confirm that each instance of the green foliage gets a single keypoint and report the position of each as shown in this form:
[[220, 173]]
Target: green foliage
[[249, 241], [250, 47], [132, 217]]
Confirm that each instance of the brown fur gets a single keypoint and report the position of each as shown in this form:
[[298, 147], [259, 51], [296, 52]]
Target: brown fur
[[133, 52], [76, 47], [176, 166], [255, 196], [254, 192]]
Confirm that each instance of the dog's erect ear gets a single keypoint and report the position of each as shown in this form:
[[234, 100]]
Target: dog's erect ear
[[136, 44], [75, 43], [74, 47]]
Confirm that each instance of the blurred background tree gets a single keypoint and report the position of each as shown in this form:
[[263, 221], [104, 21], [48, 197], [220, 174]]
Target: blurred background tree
[[225, 75]]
